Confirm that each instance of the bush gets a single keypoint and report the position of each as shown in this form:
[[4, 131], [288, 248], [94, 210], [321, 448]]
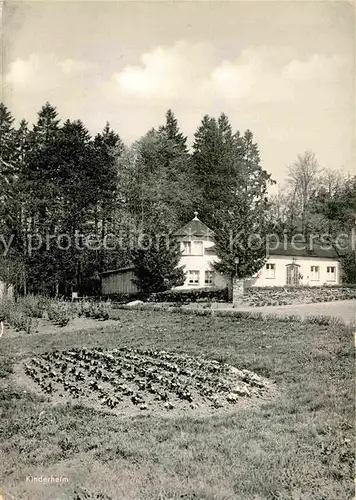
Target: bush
[[33, 305], [60, 312], [6, 308], [82, 308], [96, 310], [100, 310], [17, 317], [191, 295]]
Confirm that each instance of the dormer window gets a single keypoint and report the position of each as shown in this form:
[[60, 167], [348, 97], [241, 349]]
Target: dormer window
[[192, 247], [197, 247], [187, 247]]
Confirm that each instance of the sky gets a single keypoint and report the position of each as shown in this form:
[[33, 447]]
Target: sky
[[283, 69]]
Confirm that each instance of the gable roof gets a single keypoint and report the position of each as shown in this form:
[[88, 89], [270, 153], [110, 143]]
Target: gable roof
[[195, 228]]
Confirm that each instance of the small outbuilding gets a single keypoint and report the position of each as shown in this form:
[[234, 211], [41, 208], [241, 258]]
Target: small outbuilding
[[118, 281]]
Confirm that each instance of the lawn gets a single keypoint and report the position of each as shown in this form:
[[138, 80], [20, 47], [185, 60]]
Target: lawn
[[297, 443]]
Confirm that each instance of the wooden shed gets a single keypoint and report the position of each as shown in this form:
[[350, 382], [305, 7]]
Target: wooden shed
[[118, 281]]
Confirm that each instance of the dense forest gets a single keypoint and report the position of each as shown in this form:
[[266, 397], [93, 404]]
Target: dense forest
[[73, 205]]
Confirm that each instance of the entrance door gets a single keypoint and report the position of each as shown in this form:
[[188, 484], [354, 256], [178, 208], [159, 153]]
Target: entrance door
[[292, 274]]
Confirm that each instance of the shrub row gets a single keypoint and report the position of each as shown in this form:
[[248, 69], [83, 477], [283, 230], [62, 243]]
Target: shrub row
[[23, 314], [237, 315], [210, 294], [122, 298], [61, 312]]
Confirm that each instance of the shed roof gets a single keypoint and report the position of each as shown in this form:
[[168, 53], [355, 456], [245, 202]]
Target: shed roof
[[119, 270]]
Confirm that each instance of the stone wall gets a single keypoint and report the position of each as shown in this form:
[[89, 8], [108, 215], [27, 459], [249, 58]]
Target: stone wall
[[296, 295], [238, 290]]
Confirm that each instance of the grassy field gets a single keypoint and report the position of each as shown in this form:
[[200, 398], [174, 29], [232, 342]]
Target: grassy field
[[296, 445]]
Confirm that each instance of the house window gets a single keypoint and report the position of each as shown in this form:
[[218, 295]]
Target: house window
[[198, 247], [270, 270], [187, 247], [209, 275], [331, 273], [192, 248], [193, 277], [314, 273]]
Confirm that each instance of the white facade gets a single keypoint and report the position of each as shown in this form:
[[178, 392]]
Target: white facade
[[310, 271], [279, 270], [197, 262]]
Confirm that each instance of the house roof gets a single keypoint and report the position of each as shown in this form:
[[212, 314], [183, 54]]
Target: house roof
[[298, 250], [195, 228], [312, 249], [119, 270]]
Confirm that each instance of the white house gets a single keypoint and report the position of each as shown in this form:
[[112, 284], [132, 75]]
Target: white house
[[286, 264], [198, 255]]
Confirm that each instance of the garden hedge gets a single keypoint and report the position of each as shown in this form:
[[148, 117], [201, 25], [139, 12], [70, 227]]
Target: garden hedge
[[191, 295]]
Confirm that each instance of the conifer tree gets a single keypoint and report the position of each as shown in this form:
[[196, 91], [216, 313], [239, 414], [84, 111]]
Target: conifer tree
[[172, 131], [156, 265], [240, 237], [9, 200], [213, 163]]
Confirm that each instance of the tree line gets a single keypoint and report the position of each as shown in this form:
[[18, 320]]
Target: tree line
[[59, 183], [315, 200]]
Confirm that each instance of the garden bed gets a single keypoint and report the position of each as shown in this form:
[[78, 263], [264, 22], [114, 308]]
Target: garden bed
[[131, 381]]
